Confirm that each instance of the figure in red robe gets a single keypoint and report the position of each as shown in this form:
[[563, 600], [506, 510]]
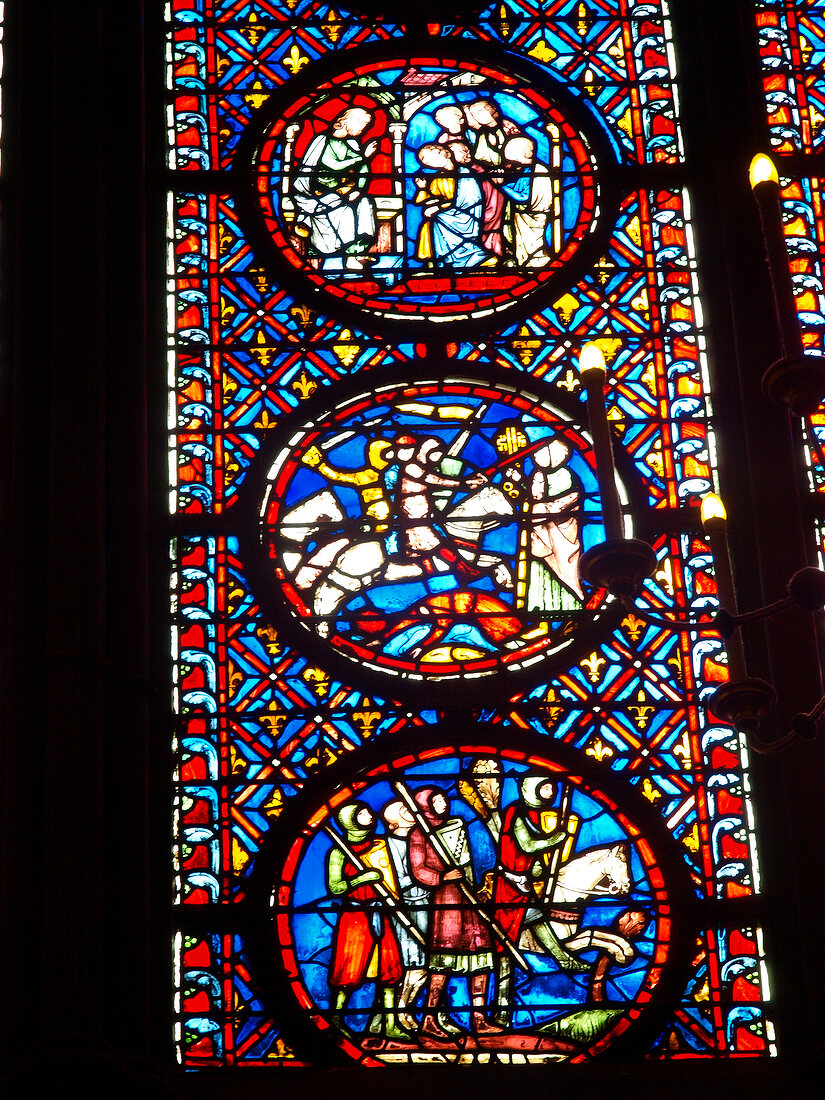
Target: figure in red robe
[[459, 942], [364, 947]]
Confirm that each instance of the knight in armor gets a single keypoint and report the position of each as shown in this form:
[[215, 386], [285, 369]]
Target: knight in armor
[[521, 878]]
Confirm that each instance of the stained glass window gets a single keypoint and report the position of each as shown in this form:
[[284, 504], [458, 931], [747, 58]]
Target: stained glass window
[[792, 45], [438, 799]]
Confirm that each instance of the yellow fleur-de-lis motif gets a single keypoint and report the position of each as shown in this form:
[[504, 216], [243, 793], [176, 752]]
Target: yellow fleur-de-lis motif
[[295, 60], [650, 792], [366, 718], [318, 680], [347, 349], [269, 637], [566, 306], [634, 230], [253, 30], [591, 85], [525, 346], [305, 385], [642, 710], [234, 596], [225, 239], [506, 23], [676, 661], [259, 278], [593, 663], [274, 804], [302, 313], [616, 417], [640, 303], [583, 20], [682, 750], [625, 124], [634, 627], [260, 351], [323, 757], [333, 27], [257, 96], [598, 750], [228, 310], [228, 385], [664, 575], [234, 678], [655, 461], [237, 764], [570, 381], [616, 51], [551, 712], [240, 856], [603, 268], [265, 421], [274, 719], [649, 378]]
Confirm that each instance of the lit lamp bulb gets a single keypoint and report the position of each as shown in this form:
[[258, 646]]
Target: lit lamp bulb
[[764, 180], [714, 524], [762, 170], [712, 510], [591, 359], [593, 371], [618, 564]]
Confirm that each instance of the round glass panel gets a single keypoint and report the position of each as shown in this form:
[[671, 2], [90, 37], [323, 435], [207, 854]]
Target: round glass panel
[[433, 530], [469, 904], [427, 188]]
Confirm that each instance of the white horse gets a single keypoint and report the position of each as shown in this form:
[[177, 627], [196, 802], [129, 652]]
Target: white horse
[[598, 872], [342, 567]]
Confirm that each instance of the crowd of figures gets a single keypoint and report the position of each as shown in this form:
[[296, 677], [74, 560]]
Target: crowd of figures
[[418, 911], [486, 194]]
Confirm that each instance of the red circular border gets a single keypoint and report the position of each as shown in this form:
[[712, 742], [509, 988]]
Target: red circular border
[[402, 309], [281, 918]]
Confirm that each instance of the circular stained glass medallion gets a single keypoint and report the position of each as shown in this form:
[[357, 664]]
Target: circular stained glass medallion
[[428, 189], [468, 901], [432, 531]]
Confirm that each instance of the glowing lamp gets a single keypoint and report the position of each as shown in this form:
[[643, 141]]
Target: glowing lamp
[[712, 509], [591, 359], [762, 170]]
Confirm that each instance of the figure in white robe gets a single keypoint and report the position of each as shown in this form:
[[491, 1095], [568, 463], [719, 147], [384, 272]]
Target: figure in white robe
[[531, 196], [334, 211], [555, 543]]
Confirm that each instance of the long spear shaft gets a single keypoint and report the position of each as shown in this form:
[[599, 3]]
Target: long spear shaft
[[378, 886], [556, 857], [444, 854]]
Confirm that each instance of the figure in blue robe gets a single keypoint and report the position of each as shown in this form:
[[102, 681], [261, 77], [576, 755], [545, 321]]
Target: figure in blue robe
[[455, 219]]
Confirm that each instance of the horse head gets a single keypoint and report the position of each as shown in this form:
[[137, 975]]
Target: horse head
[[598, 871], [616, 870]]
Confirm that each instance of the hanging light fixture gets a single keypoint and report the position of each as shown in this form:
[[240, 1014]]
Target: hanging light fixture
[[621, 564], [797, 380]]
